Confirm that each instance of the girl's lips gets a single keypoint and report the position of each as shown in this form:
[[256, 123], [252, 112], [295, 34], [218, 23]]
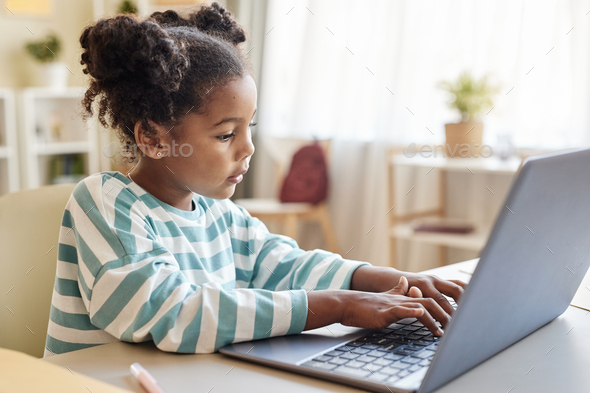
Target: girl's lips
[[235, 179]]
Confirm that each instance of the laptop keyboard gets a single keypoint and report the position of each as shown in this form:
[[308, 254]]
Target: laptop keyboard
[[384, 355]]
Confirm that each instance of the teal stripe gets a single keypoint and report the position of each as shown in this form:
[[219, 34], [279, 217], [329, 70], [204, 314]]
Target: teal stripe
[[166, 322], [299, 311], [85, 288], [168, 229], [123, 222], [264, 314], [271, 242], [228, 286], [207, 202], [67, 253], [301, 276], [157, 297], [348, 278], [67, 287], [149, 201], [244, 220], [191, 333], [84, 199], [58, 346], [73, 321], [66, 220], [122, 295], [87, 256], [227, 318], [129, 260], [243, 275], [242, 247], [189, 261], [283, 271], [149, 228], [194, 233], [326, 278]]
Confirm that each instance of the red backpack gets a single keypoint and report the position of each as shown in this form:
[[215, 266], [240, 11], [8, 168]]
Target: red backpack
[[307, 180]]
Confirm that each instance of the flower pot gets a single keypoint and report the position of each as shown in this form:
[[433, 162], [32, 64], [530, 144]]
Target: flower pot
[[54, 75], [463, 139]]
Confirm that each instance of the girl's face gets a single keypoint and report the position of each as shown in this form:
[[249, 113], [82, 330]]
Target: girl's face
[[221, 142]]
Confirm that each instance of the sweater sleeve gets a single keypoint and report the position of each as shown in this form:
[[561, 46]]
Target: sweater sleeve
[[134, 289], [275, 262]]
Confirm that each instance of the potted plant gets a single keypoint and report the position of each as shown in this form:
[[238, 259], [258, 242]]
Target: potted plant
[[127, 7], [46, 51], [470, 97]]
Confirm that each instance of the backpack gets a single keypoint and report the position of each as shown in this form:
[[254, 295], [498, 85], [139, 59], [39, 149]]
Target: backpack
[[307, 179]]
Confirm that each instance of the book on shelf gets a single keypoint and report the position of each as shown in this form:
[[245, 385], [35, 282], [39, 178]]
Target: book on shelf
[[67, 168], [443, 225]]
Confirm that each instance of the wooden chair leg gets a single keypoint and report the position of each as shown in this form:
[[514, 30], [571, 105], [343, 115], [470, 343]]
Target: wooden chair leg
[[291, 226], [443, 257], [393, 252], [329, 234]]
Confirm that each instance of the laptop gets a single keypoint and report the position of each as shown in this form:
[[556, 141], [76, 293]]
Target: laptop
[[534, 261]]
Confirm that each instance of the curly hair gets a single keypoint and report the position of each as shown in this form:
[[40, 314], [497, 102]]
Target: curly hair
[[158, 69]]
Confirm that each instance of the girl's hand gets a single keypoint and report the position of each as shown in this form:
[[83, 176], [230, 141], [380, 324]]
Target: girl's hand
[[414, 292], [435, 288], [380, 279], [379, 310]]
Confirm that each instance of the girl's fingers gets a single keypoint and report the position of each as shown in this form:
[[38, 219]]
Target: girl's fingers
[[428, 321], [432, 292], [435, 310], [401, 312], [459, 283], [401, 288], [450, 288], [415, 292]]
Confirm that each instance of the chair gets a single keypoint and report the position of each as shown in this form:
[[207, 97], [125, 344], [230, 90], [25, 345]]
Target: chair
[[289, 215], [29, 229]]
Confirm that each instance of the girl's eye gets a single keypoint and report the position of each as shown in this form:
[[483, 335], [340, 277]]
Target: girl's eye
[[252, 124], [225, 138]]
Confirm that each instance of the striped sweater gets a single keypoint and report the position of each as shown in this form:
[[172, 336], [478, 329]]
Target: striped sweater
[[133, 268]]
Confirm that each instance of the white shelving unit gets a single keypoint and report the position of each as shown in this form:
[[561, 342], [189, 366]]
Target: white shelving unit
[[9, 175], [402, 226], [105, 8], [473, 241], [52, 126]]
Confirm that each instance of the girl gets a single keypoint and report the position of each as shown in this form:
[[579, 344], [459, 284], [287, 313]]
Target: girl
[[162, 254]]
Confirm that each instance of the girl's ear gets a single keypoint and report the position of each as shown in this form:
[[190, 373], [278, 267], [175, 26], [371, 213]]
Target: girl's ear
[[152, 145]]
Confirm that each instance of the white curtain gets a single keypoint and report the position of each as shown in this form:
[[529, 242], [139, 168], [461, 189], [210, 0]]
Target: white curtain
[[366, 74]]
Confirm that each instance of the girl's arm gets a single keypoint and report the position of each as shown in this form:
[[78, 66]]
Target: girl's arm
[[132, 286], [275, 262]]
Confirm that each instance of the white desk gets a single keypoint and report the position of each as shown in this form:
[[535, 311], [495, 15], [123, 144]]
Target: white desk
[[553, 359]]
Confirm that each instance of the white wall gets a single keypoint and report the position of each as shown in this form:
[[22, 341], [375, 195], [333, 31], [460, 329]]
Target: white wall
[[68, 19]]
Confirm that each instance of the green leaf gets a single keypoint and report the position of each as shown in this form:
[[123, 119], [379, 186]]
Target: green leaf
[[45, 50], [469, 96]]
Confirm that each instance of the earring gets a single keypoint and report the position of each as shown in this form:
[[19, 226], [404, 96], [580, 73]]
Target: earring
[[159, 154]]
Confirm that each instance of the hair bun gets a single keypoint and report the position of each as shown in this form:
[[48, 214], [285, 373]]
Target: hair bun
[[123, 49], [211, 19]]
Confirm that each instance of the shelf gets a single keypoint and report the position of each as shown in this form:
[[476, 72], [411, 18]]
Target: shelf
[[45, 111], [468, 165], [62, 148], [474, 241], [9, 160], [47, 92]]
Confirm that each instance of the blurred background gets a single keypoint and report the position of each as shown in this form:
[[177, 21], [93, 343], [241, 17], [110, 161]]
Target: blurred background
[[424, 110]]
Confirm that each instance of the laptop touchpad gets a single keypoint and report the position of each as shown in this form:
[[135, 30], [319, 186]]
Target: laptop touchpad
[[295, 348]]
